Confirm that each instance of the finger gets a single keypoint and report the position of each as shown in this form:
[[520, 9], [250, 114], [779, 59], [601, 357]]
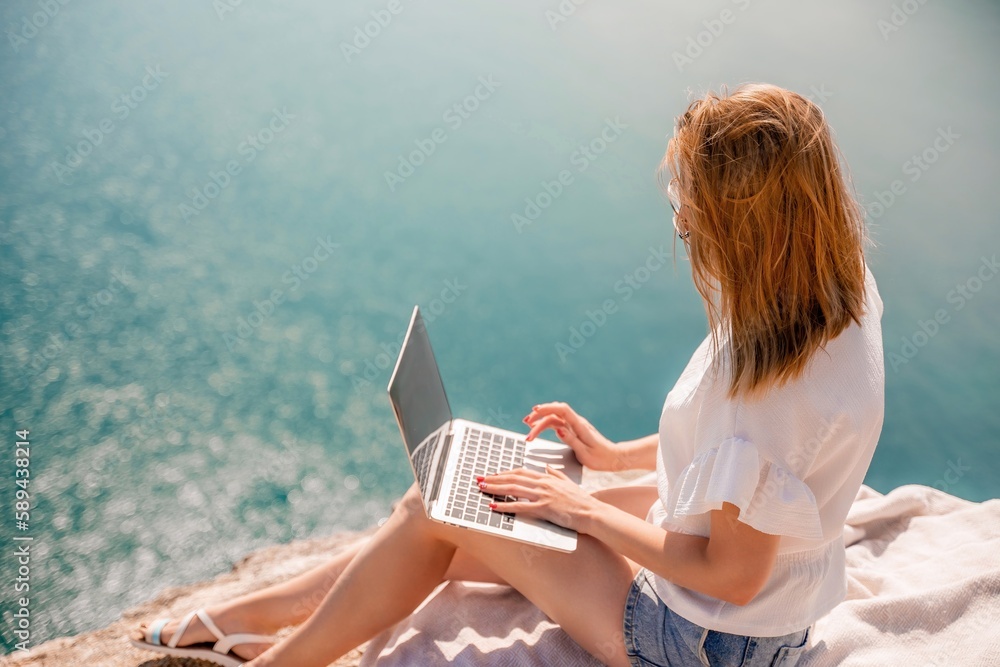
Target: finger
[[532, 418], [509, 507], [565, 433], [516, 490], [490, 483], [514, 507], [555, 471], [518, 475], [544, 409], [563, 411], [552, 421]]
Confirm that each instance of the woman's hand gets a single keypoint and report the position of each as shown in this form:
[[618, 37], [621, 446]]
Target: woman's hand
[[549, 495], [592, 449]]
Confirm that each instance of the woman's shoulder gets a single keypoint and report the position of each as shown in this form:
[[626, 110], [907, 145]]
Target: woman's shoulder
[[856, 353], [844, 379], [872, 295], [843, 383]]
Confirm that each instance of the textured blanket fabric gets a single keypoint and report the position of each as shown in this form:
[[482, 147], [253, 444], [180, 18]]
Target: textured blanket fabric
[[923, 572]]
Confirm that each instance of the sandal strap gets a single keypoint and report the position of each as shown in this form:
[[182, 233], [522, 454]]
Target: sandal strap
[[210, 624], [155, 628], [180, 630], [224, 645]]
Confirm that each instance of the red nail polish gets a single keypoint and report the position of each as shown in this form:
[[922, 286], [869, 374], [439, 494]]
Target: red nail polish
[[479, 479], [493, 506]]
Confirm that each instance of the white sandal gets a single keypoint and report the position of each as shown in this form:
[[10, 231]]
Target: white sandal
[[219, 653]]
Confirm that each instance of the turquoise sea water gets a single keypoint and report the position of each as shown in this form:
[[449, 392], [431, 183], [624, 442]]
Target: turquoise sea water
[[206, 270]]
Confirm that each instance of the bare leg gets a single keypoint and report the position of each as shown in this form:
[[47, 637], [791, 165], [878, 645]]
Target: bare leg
[[291, 602], [410, 556]]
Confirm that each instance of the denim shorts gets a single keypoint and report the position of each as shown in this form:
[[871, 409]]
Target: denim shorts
[[657, 637]]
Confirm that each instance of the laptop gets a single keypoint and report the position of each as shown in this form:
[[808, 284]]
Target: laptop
[[447, 454]]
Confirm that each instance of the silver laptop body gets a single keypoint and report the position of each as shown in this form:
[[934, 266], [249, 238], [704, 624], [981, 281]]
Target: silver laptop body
[[447, 454]]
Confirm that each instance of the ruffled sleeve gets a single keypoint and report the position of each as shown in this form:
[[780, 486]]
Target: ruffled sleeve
[[771, 499]]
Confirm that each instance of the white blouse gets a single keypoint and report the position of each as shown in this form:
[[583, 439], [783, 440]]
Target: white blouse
[[793, 463]]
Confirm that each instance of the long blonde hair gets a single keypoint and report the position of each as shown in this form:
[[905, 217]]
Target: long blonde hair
[[776, 238]]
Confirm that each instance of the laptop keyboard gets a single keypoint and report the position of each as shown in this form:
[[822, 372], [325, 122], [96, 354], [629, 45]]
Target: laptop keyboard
[[422, 462], [483, 453]]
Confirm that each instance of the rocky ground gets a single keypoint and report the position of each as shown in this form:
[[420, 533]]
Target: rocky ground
[[109, 646]]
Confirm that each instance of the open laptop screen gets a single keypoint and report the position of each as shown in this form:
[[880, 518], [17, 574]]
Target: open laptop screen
[[415, 388]]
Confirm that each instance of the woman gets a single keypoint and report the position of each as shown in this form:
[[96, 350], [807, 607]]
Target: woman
[[762, 444]]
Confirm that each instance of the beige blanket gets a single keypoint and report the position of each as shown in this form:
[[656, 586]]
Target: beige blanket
[[924, 589]]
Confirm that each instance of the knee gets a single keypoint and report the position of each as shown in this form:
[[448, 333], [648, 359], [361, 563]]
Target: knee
[[412, 503]]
